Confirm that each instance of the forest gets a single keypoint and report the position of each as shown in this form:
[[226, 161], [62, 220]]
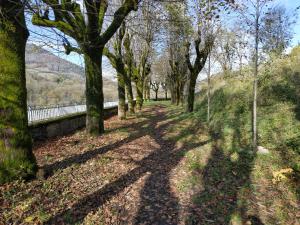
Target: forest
[[207, 123]]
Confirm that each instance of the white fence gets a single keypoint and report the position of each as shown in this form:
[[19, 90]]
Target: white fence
[[40, 113]]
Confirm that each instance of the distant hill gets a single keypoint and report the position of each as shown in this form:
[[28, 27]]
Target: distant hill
[[52, 80]]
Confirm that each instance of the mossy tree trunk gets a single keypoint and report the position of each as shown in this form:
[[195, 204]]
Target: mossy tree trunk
[[122, 98], [16, 157], [94, 91], [195, 69], [191, 93], [139, 95], [129, 93]]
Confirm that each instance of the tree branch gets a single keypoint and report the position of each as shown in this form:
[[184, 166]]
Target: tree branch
[[119, 16]]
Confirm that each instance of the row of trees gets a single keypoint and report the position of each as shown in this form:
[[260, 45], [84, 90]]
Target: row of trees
[[198, 32], [85, 23], [192, 32]]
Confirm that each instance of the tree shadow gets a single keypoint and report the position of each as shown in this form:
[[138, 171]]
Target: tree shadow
[[226, 172], [157, 198], [84, 157]]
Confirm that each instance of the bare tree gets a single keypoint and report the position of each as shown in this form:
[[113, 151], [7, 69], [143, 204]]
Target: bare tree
[[155, 87]]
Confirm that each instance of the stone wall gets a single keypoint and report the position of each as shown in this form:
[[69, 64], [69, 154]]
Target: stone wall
[[63, 125]]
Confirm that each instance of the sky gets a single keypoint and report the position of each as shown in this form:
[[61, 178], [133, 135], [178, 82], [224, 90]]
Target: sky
[[291, 5], [108, 71]]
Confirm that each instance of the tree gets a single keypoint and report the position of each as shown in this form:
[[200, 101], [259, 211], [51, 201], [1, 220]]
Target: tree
[[240, 47], [145, 28], [203, 42], [16, 157], [277, 29], [85, 24], [178, 28], [155, 87], [225, 44], [116, 60], [252, 12], [164, 86], [195, 69], [129, 65]]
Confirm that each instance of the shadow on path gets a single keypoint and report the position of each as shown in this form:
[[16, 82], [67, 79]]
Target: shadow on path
[[158, 203]]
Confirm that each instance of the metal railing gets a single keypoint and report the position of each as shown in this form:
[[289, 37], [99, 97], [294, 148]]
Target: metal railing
[[41, 113]]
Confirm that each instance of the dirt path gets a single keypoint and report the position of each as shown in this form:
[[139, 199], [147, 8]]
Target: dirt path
[[123, 177], [143, 194]]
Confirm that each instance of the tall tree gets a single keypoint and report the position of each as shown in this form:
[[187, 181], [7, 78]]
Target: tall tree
[[129, 65], [252, 12], [16, 157], [195, 69], [141, 46], [204, 32], [116, 60], [85, 24], [178, 28]]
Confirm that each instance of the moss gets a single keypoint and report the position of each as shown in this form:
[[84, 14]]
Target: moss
[[94, 92], [16, 164], [16, 157]]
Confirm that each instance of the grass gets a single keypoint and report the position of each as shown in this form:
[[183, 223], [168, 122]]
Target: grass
[[235, 185]]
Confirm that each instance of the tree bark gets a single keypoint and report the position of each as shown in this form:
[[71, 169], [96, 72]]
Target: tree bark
[[121, 97], [94, 91], [156, 95], [16, 157], [173, 96], [208, 88], [166, 94], [254, 110], [129, 92], [191, 93], [139, 95]]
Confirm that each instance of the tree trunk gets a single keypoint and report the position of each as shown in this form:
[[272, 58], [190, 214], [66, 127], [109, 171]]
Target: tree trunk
[[94, 91], [129, 92], [121, 97], [139, 95], [166, 94], [173, 96], [254, 111], [178, 95], [156, 95], [208, 89], [16, 157], [148, 93], [191, 93]]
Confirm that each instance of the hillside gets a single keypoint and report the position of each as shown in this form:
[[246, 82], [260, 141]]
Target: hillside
[[265, 184], [52, 80]]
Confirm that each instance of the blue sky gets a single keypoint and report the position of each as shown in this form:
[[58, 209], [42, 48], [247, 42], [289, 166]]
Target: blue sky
[[291, 5]]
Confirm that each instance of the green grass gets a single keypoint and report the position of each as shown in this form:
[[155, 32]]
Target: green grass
[[233, 183]]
